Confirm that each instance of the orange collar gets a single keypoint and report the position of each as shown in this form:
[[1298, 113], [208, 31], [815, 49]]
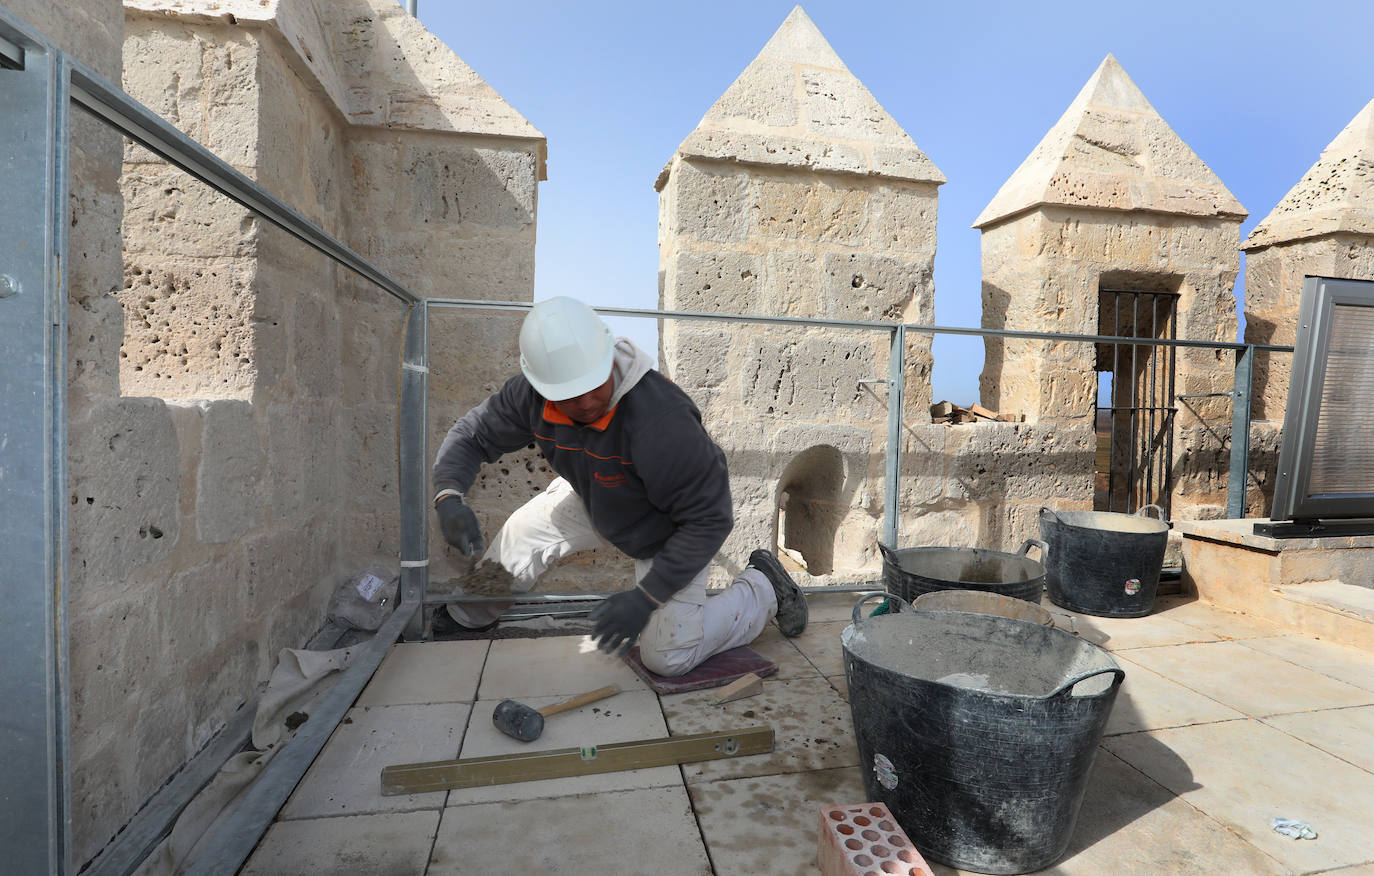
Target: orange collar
[[553, 415]]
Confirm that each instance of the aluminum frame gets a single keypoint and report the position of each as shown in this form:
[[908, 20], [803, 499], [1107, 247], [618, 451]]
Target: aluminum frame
[[35, 808], [1292, 499]]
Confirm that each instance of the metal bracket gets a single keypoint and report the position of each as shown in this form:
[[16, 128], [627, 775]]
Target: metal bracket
[[503, 769]]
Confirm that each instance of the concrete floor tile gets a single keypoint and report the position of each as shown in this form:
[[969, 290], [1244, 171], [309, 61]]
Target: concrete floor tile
[[1117, 633], [1345, 733], [1128, 824], [841, 685], [783, 651], [557, 666], [821, 645], [1149, 701], [767, 825], [346, 779], [1245, 773], [427, 672], [641, 831], [1350, 665], [391, 844], [1254, 682], [812, 728], [1219, 621], [625, 717]]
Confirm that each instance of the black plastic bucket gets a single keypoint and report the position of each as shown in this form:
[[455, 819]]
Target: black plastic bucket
[[910, 572], [977, 731], [1103, 563]]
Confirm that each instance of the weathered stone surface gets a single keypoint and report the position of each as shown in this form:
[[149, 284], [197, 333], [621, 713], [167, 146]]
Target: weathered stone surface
[[871, 288], [717, 281], [1336, 195], [709, 203], [796, 105], [1111, 150], [124, 509], [229, 489], [700, 357], [811, 209]]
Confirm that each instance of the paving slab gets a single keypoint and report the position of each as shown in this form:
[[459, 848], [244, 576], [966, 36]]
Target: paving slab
[[1149, 701], [1249, 680], [811, 725], [1345, 733], [550, 667], [792, 663], [1350, 665], [820, 644], [427, 672], [1221, 622], [1117, 633], [841, 685], [767, 825], [1245, 773], [1128, 824], [389, 844], [346, 778], [625, 717], [641, 831]]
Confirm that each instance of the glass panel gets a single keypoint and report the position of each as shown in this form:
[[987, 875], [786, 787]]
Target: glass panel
[[1343, 457]]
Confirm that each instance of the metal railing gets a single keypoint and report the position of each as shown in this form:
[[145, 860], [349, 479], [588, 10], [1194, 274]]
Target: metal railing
[[38, 84]]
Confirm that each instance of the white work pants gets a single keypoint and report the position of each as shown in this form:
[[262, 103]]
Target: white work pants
[[681, 633]]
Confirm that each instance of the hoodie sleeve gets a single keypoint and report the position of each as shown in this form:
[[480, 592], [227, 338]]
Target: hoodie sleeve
[[685, 475], [497, 426]]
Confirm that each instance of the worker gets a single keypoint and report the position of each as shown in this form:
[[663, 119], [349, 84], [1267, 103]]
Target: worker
[[636, 470]]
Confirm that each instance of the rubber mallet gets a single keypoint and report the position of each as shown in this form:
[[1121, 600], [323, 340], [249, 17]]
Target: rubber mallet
[[522, 722]]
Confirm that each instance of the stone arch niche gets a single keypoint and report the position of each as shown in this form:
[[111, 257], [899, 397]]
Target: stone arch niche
[[812, 505]]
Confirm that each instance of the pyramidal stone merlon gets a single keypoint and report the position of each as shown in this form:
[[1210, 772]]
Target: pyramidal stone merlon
[[797, 105], [1111, 150], [1335, 196]]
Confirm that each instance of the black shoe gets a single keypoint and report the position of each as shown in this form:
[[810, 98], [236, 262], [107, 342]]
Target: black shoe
[[792, 612], [443, 626]]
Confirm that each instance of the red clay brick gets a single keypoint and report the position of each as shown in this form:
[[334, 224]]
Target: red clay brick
[[865, 840]]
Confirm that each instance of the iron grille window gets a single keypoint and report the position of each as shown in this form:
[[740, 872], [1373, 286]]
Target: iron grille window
[[1135, 409]]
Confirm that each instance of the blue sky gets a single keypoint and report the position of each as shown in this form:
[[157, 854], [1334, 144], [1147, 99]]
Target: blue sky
[[1257, 89]]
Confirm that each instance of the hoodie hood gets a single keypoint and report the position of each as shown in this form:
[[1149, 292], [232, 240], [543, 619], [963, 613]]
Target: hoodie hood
[[629, 364]]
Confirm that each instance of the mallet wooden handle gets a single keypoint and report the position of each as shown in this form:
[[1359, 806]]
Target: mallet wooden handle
[[580, 700]]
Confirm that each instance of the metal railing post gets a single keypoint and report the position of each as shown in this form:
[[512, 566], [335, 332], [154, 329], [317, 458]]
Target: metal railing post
[[35, 810], [413, 476], [1240, 433], [896, 390]]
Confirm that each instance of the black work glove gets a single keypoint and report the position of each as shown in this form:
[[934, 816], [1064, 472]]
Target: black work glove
[[459, 525], [620, 619]]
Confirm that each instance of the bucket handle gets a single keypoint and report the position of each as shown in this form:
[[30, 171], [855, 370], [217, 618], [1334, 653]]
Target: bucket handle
[[889, 554], [892, 597], [1044, 510], [1144, 508], [1035, 542], [1068, 686]]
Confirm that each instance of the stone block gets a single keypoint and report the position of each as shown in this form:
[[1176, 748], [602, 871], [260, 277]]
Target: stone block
[[807, 208], [902, 218], [700, 356], [95, 328], [710, 202], [168, 214], [123, 493], [453, 184], [188, 329], [160, 739], [230, 499], [1006, 462], [367, 453], [203, 604], [773, 150], [942, 528], [813, 377], [792, 282], [725, 282], [224, 677], [115, 654], [877, 288], [303, 471], [99, 795], [369, 349], [315, 345], [88, 31]]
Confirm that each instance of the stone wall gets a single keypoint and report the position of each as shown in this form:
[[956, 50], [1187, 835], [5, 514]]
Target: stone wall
[[233, 398]]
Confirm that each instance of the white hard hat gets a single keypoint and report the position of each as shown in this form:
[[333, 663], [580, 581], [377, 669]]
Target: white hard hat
[[565, 349]]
